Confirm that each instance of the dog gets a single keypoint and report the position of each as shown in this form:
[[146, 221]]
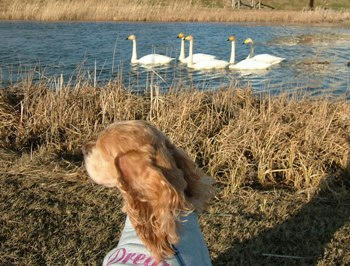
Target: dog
[[163, 191]]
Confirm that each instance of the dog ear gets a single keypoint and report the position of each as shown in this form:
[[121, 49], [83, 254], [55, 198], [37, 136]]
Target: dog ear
[[199, 189], [151, 202]]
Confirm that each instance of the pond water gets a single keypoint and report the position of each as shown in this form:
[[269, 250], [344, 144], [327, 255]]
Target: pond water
[[316, 57]]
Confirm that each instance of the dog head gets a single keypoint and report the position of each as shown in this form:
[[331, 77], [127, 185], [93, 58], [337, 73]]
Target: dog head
[[158, 181]]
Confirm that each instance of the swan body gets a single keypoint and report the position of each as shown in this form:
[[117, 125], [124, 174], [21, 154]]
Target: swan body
[[204, 63], [150, 59], [249, 64], [196, 57], [154, 59], [265, 58], [210, 64], [246, 64]]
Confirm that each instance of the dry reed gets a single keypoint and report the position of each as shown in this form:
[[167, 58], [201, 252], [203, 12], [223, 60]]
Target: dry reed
[[162, 11], [239, 138]]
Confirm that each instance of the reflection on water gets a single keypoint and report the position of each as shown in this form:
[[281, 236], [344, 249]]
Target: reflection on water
[[316, 57]]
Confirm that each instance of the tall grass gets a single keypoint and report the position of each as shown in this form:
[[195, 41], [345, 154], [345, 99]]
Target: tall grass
[[148, 10], [240, 138]]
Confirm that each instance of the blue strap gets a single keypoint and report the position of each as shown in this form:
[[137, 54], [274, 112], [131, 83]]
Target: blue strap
[[178, 257]]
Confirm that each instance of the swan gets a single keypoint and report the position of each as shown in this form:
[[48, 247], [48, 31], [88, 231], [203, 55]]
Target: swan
[[196, 57], [150, 59], [266, 58], [204, 63], [246, 64]]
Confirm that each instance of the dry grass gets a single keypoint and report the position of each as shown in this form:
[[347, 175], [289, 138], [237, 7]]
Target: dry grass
[[180, 10], [281, 164], [240, 138], [304, 4]]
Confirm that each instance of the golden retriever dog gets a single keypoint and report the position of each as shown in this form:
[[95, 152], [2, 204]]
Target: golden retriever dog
[[162, 188]]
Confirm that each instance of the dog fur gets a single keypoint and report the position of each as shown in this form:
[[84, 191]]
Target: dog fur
[[158, 181]]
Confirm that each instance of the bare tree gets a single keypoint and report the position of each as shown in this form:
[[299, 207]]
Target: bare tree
[[311, 4]]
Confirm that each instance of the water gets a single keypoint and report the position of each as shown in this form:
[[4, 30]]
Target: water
[[316, 57]]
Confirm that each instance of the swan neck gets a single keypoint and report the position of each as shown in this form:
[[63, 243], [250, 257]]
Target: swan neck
[[182, 51], [233, 53], [251, 54], [134, 52], [191, 53]]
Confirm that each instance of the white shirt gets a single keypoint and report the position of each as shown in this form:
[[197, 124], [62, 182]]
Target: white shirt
[[191, 250]]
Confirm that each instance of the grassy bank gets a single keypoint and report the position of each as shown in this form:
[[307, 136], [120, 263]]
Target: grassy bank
[[240, 138], [281, 165], [180, 10]]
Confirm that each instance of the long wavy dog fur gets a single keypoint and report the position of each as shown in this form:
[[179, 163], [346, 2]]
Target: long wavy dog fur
[[158, 181]]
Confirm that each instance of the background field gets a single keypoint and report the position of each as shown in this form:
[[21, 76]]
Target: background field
[[336, 11], [277, 4], [301, 4]]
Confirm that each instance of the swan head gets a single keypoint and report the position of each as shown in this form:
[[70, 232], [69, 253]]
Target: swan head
[[131, 37], [181, 35], [231, 38], [189, 38], [248, 41]]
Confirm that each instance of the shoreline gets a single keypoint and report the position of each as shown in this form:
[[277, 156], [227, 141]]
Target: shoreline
[[245, 23]]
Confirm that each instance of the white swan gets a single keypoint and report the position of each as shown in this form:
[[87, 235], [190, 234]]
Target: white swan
[[196, 57], [266, 58], [150, 59], [204, 63], [246, 64]]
